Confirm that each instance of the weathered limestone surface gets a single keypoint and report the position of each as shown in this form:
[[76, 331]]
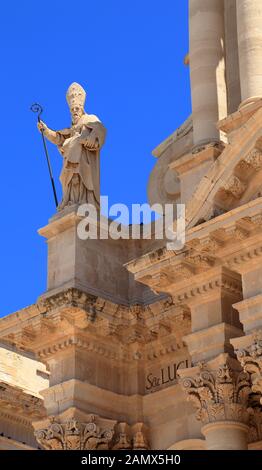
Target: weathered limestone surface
[[249, 18], [207, 68], [134, 346]]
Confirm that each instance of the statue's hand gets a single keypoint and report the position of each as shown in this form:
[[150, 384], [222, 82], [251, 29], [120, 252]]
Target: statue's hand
[[92, 142], [42, 127]]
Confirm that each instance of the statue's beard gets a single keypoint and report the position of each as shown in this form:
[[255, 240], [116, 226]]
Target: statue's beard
[[76, 118]]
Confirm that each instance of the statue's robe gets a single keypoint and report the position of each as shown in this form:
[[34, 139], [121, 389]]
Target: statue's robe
[[79, 159]]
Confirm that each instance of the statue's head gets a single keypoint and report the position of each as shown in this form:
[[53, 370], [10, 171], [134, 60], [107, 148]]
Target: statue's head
[[76, 96]]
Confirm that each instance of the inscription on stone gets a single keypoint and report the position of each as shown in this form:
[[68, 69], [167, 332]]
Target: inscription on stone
[[165, 376]]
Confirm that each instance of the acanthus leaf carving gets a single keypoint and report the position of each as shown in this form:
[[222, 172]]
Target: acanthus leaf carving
[[220, 394], [73, 435], [251, 361]]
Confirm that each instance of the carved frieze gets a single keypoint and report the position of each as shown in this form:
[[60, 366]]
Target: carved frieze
[[14, 399]]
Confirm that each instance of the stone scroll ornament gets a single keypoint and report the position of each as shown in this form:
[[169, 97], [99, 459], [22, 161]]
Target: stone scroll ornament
[[80, 147]]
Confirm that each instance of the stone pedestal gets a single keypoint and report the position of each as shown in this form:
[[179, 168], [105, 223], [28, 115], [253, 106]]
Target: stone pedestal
[[94, 266]]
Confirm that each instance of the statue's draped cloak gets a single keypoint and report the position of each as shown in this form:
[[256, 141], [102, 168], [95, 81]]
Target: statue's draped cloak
[[78, 158]]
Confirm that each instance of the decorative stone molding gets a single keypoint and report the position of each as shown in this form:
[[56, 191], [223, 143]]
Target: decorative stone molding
[[73, 435], [254, 159], [15, 400], [234, 186], [209, 244], [219, 394], [95, 433], [122, 439], [140, 440], [250, 358], [74, 319], [201, 261], [244, 257], [130, 438], [237, 233]]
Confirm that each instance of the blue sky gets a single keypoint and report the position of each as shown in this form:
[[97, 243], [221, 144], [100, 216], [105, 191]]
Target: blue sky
[[128, 55]]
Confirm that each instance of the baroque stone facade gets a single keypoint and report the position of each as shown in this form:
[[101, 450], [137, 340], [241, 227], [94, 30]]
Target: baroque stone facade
[[134, 346]]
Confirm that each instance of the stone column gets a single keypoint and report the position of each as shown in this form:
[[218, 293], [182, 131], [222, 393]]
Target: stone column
[[207, 68], [249, 21], [226, 436], [232, 59], [220, 390]]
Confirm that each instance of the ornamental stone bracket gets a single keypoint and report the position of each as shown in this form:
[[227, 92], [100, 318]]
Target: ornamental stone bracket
[[70, 431], [219, 390], [130, 437], [249, 354]]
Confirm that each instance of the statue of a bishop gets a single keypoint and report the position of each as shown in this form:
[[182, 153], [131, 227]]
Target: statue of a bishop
[[80, 147]]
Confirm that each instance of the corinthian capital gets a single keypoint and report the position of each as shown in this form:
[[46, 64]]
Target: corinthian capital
[[219, 389], [75, 435], [250, 358]]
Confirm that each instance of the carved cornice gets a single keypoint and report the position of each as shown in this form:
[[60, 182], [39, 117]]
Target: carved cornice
[[12, 416], [218, 394], [72, 318], [16, 400], [244, 256]]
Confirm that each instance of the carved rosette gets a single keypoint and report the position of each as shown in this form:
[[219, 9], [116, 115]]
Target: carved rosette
[[219, 395], [251, 361], [73, 435]]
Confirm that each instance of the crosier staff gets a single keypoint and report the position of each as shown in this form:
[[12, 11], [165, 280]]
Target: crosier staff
[[37, 108]]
